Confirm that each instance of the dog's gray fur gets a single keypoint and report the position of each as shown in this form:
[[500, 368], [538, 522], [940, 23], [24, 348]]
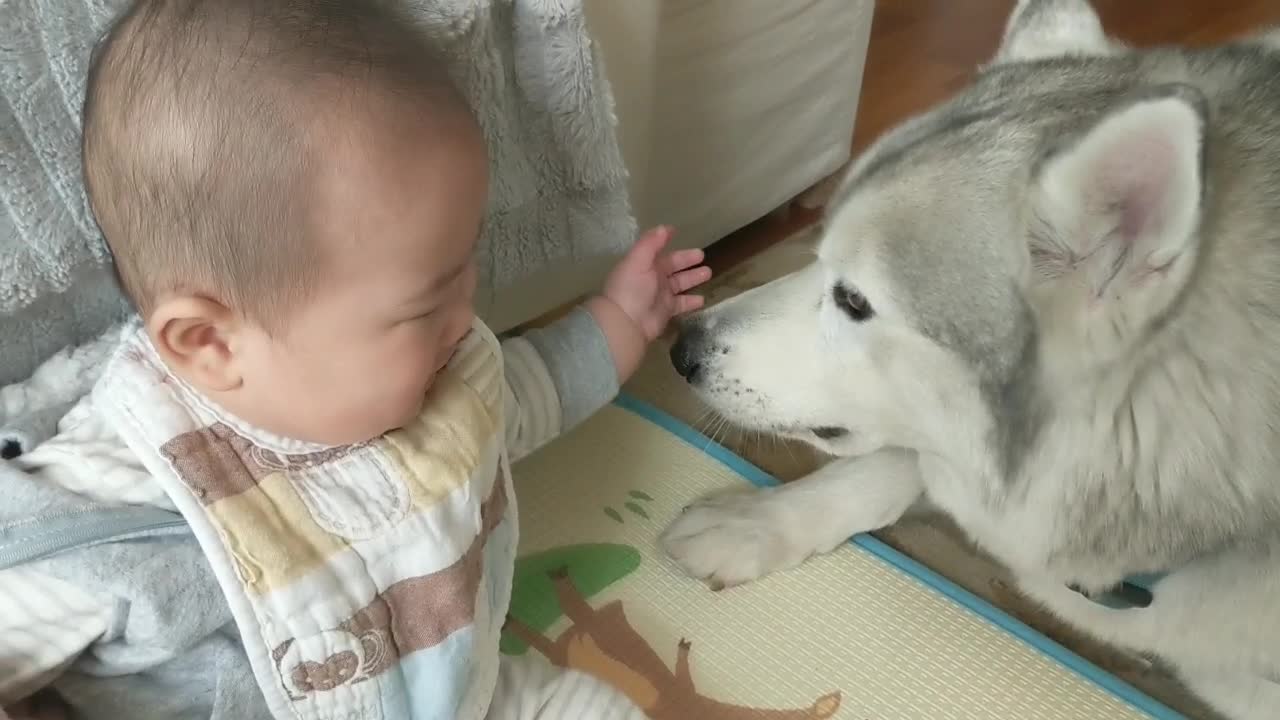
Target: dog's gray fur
[[1074, 268]]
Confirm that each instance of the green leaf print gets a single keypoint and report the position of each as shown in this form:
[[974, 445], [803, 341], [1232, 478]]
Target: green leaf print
[[592, 567]]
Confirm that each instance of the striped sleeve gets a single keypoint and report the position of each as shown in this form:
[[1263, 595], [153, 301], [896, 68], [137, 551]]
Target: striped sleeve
[[45, 623], [556, 377], [531, 406]]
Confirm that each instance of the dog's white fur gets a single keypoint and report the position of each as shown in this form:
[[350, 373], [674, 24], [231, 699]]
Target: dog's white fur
[[1074, 274]]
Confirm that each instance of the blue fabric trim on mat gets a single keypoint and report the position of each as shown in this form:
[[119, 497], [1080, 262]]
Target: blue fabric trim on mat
[[888, 554]]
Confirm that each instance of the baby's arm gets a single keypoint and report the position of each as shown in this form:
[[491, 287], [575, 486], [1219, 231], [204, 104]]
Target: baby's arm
[[559, 375], [556, 377]]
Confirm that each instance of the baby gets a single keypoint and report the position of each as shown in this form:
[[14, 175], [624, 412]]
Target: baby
[[292, 192]]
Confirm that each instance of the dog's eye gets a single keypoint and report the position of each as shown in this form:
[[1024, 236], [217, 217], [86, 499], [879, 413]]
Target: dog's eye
[[851, 303]]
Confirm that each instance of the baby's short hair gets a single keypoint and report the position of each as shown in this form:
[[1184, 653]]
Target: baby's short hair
[[200, 142]]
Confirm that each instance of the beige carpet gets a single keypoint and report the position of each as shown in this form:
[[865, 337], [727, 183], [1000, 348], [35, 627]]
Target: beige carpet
[[933, 541]]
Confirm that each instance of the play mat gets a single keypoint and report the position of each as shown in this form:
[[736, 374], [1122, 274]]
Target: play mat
[[864, 633]]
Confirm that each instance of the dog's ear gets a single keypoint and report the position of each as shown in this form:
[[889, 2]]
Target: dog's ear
[[1039, 29], [1120, 205]]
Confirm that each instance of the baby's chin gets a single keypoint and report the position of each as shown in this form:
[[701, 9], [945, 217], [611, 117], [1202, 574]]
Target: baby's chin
[[406, 414], [371, 428], [410, 412], [407, 418], [341, 428]]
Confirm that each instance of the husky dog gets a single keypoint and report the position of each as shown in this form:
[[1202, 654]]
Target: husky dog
[[1050, 308]]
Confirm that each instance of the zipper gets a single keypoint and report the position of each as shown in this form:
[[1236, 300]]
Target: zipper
[[43, 537]]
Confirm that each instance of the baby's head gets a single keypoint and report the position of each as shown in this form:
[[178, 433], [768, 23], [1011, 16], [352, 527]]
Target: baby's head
[[291, 190]]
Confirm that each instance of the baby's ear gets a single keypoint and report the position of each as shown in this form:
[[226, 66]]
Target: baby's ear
[[195, 337], [1039, 29], [1122, 203]]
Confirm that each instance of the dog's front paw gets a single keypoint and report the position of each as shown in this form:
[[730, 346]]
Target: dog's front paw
[[733, 538]]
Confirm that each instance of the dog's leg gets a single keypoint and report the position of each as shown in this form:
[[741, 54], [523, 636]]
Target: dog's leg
[[1236, 696], [733, 538]]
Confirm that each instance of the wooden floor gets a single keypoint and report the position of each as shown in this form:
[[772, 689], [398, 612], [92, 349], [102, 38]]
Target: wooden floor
[[924, 50]]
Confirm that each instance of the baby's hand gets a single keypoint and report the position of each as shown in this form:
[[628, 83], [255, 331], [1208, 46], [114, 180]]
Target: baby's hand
[[650, 286]]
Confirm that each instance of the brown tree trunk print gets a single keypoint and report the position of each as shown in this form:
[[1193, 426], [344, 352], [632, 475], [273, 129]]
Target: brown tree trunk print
[[603, 643]]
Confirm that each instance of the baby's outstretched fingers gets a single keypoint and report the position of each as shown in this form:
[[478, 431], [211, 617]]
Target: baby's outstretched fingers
[[689, 303], [688, 279], [646, 251], [683, 259]]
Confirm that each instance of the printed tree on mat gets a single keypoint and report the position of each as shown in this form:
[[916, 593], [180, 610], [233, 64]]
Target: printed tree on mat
[[602, 642], [593, 567]]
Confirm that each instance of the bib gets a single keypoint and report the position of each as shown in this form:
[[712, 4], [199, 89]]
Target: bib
[[369, 581]]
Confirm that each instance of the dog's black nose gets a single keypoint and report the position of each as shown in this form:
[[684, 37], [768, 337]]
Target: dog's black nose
[[689, 350]]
